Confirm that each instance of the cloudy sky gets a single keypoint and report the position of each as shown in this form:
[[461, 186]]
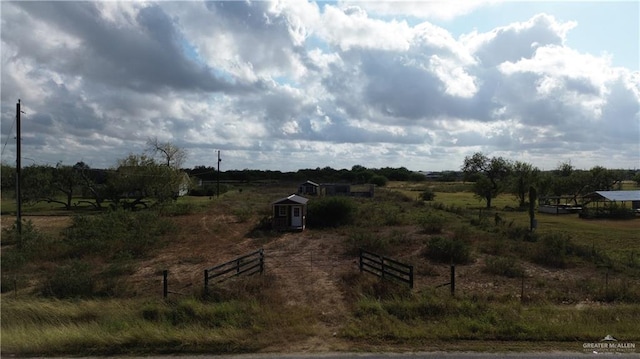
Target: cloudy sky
[[286, 85]]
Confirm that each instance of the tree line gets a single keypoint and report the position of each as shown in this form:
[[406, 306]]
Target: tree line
[[156, 176], [492, 176]]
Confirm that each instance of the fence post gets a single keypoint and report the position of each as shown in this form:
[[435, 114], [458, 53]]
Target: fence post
[[360, 264], [382, 265], [453, 279], [165, 284], [261, 261], [522, 289], [411, 277], [206, 282]]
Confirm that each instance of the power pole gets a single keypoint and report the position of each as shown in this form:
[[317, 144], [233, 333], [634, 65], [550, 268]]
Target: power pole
[[219, 160], [18, 178]]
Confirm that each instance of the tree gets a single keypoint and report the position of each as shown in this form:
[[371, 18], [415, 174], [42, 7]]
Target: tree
[[489, 174], [8, 174], [379, 180], [603, 179], [172, 155], [93, 182], [523, 176], [139, 177]]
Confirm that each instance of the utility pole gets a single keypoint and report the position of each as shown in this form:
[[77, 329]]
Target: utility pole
[[219, 160], [18, 178]]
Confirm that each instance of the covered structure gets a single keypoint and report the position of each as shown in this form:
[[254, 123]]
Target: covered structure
[[289, 213], [611, 204], [309, 188]]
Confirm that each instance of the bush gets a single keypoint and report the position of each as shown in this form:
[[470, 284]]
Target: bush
[[35, 246], [552, 250], [432, 223], [116, 231], [70, 281], [330, 212], [428, 195], [379, 180], [373, 242], [504, 266], [448, 250]]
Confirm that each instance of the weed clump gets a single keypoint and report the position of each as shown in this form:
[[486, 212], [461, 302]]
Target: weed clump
[[448, 250], [73, 280], [504, 266], [432, 223]]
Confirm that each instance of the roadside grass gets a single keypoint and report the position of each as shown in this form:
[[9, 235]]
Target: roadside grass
[[432, 316], [110, 327]]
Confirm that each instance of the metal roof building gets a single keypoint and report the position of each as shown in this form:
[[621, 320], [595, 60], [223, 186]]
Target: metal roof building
[[617, 196]]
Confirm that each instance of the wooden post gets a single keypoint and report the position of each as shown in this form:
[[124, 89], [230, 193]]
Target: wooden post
[[411, 277], [206, 282], [360, 264], [453, 279], [261, 261], [18, 176], [522, 289], [165, 285]]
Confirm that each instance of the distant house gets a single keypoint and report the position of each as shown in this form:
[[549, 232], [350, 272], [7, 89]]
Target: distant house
[[308, 188], [185, 185], [289, 213]]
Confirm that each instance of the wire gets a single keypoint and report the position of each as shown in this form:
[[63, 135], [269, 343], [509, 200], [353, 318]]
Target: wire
[[7, 140]]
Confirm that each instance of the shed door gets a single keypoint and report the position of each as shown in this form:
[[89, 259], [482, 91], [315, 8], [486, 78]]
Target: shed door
[[296, 216]]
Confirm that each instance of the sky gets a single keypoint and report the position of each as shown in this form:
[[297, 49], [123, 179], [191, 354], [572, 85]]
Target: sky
[[288, 85]]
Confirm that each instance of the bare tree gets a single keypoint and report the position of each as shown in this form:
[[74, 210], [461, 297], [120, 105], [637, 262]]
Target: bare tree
[[172, 155]]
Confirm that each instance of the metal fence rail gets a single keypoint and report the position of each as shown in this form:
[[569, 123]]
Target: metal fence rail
[[386, 268], [248, 264]]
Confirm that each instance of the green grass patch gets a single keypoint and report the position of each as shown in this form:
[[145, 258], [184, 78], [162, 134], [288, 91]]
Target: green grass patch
[[431, 317], [110, 327]]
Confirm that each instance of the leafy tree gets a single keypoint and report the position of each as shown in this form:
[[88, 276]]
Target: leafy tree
[[636, 179], [603, 179], [379, 180], [8, 178], [172, 155], [139, 177], [523, 176], [489, 174], [93, 183]]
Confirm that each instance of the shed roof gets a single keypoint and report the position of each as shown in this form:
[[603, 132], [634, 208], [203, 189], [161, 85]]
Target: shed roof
[[311, 183], [292, 199], [614, 195]]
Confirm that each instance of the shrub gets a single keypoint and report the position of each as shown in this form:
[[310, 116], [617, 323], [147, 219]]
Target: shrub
[[447, 250], [504, 266], [330, 212], [428, 195], [70, 281], [116, 231], [432, 223], [379, 180], [552, 250], [365, 240]]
